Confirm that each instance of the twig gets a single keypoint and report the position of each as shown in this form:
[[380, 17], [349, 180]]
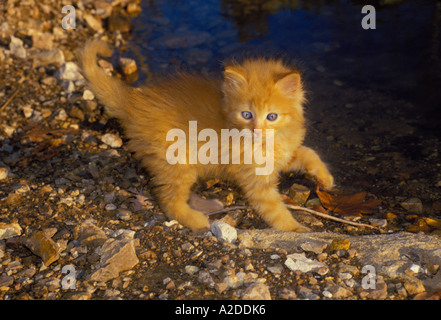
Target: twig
[[320, 214], [226, 210], [9, 99], [327, 216]]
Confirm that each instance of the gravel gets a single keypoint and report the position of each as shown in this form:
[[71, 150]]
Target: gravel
[[75, 222]]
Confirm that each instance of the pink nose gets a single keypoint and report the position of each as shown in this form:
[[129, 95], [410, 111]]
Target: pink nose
[[257, 133]]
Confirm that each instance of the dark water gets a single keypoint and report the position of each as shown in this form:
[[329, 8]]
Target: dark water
[[400, 58]]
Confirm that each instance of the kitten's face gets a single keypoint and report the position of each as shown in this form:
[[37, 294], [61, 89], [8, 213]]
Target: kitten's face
[[262, 94]]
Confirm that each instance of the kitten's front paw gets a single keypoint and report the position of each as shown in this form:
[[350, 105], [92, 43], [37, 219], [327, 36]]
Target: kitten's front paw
[[326, 180]]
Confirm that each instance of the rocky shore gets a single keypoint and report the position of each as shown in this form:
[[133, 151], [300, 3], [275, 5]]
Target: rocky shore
[[77, 220]]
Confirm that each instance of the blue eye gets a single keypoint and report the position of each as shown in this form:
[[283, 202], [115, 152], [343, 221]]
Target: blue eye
[[247, 115], [271, 116]]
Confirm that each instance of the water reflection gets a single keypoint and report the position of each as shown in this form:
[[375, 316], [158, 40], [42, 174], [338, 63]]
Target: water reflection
[[401, 57]]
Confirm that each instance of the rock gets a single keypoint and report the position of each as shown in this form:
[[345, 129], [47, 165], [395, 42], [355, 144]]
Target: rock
[[313, 246], [50, 57], [256, 291], [112, 140], [339, 244], [380, 291], [299, 193], [88, 95], [128, 66], [16, 48], [42, 40], [378, 222], [298, 262], [93, 23], [413, 205], [339, 292], [287, 294], [221, 287], [307, 293], [387, 253], [223, 231], [413, 286], [205, 278], [6, 281], [41, 244], [191, 270], [69, 71], [116, 256], [88, 234], [9, 230]]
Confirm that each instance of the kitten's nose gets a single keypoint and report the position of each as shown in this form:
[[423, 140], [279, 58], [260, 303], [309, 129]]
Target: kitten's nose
[[257, 133]]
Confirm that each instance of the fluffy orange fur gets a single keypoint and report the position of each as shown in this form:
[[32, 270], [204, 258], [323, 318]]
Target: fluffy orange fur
[[260, 86]]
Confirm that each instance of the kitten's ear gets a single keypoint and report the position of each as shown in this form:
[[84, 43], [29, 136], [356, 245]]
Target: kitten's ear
[[233, 78], [289, 83]]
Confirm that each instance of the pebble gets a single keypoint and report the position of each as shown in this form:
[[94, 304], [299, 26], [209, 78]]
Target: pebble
[[413, 205], [191, 270], [4, 173], [41, 244], [88, 95], [116, 256], [298, 262], [223, 231], [69, 71], [16, 47], [9, 230], [256, 291], [299, 193], [112, 140], [316, 247], [128, 66], [339, 244]]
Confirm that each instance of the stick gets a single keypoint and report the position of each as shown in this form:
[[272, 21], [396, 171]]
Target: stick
[[320, 214], [327, 216], [226, 210], [9, 100]]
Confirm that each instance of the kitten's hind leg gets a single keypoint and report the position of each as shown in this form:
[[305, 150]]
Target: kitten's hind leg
[[173, 196], [268, 202]]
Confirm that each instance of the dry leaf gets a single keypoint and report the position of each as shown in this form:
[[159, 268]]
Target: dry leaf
[[349, 204], [141, 201], [204, 205], [288, 200]]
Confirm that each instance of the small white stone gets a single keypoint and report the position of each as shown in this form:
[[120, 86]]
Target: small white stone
[[327, 294], [191, 270], [69, 71], [88, 95], [298, 262], [4, 173], [16, 47], [110, 207], [112, 140], [223, 231]]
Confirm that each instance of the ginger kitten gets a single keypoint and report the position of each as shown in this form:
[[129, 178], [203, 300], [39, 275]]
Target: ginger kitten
[[255, 94]]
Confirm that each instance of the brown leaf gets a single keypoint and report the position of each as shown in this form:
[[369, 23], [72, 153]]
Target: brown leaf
[[140, 201], [288, 200], [40, 133], [349, 204]]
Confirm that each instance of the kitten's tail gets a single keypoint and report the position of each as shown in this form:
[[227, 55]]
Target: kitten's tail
[[111, 91]]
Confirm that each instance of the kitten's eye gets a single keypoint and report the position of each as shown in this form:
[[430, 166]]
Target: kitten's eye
[[247, 115], [271, 116]]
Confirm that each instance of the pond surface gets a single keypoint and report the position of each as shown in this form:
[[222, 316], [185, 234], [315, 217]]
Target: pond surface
[[374, 109], [401, 56]]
